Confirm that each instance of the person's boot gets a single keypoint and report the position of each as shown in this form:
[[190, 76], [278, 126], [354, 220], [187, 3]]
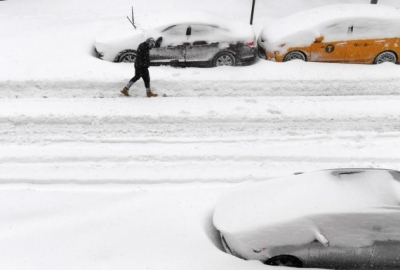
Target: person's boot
[[125, 92], [150, 94]]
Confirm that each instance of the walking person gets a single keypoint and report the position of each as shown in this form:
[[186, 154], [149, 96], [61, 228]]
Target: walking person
[[142, 64]]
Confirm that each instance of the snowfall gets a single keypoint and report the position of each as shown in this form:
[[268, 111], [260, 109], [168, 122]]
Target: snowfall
[[90, 179]]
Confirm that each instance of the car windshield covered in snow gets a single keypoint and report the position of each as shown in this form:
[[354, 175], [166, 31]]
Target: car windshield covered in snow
[[349, 214]]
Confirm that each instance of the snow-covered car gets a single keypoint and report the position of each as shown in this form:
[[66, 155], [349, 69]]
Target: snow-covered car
[[347, 33], [340, 219], [183, 38]]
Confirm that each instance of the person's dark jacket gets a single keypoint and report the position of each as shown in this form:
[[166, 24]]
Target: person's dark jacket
[[143, 56]]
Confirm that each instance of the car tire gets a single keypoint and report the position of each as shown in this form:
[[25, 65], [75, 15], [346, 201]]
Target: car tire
[[224, 59], [126, 56], [295, 55], [386, 56], [285, 260]]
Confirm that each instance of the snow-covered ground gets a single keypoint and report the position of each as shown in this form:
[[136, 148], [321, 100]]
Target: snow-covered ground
[[92, 180]]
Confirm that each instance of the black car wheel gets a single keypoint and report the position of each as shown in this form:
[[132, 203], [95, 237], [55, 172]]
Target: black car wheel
[[224, 59], [387, 56], [127, 56], [294, 56], [285, 260]]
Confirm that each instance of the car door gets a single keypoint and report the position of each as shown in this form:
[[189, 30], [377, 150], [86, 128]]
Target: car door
[[338, 257], [202, 44], [331, 46], [171, 45], [386, 255], [334, 52]]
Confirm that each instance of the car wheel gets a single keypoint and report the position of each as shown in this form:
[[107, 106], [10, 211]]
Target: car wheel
[[127, 56], [387, 56], [285, 260], [224, 59], [294, 56]]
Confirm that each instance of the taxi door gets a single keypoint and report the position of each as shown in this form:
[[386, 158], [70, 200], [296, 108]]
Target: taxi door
[[365, 51], [328, 51], [332, 50], [363, 48]]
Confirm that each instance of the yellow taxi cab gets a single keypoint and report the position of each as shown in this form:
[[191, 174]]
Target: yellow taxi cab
[[347, 33]]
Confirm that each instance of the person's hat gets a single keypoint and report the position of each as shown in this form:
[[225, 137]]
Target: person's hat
[[151, 42]]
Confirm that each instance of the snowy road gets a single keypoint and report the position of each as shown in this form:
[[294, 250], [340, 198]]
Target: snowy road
[[186, 140]]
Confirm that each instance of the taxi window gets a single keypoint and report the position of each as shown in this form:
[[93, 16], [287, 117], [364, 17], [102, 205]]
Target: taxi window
[[336, 31], [367, 28], [336, 28]]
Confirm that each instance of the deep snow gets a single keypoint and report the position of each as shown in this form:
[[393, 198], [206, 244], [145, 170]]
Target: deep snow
[[91, 180]]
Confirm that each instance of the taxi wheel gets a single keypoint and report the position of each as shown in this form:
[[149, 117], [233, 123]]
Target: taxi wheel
[[127, 56], [387, 56], [285, 260], [295, 55]]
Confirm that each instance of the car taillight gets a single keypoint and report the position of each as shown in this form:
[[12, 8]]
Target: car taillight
[[251, 44]]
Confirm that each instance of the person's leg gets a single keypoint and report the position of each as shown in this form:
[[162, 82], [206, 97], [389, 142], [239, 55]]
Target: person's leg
[[146, 79], [134, 78], [137, 76]]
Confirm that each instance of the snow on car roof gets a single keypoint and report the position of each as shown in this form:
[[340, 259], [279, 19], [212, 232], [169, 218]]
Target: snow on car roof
[[296, 209], [312, 20], [121, 33], [165, 19]]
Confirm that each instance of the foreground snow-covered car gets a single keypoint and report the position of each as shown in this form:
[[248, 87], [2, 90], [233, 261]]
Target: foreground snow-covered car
[[344, 218], [184, 38], [348, 33]]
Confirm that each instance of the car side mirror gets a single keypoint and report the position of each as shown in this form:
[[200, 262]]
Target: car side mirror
[[158, 42], [319, 39], [189, 31]]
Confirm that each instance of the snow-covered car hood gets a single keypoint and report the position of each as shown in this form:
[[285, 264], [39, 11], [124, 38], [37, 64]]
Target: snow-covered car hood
[[301, 29], [344, 209]]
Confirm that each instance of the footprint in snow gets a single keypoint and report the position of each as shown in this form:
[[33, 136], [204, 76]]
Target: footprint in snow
[[250, 100]]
